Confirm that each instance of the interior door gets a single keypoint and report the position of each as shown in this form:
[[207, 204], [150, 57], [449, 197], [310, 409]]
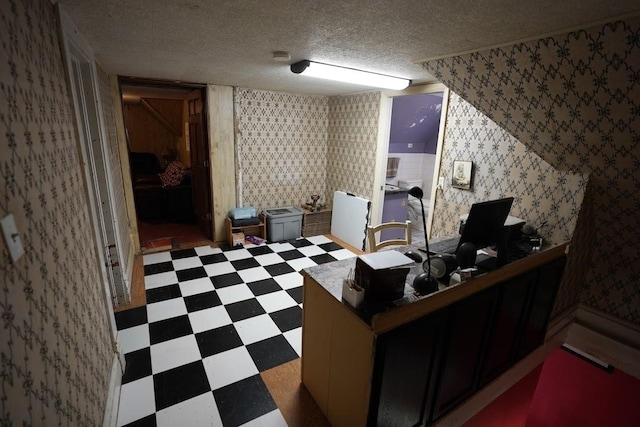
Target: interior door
[[200, 175]]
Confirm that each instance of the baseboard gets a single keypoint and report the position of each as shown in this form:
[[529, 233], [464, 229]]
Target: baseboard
[[113, 398], [607, 338], [507, 380]]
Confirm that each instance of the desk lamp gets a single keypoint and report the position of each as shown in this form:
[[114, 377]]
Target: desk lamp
[[423, 281]]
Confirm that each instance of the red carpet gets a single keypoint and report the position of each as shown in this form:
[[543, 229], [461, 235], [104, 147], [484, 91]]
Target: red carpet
[[566, 391], [511, 407], [573, 392]]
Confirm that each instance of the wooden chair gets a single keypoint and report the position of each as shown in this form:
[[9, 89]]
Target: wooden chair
[[375, 245]]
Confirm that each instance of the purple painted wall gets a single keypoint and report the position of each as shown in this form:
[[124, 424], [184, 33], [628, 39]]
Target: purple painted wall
[[415, 119]]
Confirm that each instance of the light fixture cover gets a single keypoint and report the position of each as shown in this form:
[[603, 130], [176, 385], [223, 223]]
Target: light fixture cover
[[348, 75]]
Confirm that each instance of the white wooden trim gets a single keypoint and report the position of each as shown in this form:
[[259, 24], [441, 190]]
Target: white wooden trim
[[112, 404], [607, 338]]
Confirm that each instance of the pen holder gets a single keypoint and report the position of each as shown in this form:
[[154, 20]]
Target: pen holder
[[351, 293]]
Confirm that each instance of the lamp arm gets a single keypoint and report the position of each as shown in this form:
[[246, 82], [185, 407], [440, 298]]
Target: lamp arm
[[426, 239]]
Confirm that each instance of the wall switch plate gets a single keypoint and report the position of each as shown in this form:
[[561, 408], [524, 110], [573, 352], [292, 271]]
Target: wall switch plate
[[12, 237], [410, 145], [441, 182]]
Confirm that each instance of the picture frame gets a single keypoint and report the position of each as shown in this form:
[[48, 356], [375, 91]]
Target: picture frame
[[461, 175]]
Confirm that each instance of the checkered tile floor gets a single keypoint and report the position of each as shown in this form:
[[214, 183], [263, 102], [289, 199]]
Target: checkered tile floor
[[215, 318]]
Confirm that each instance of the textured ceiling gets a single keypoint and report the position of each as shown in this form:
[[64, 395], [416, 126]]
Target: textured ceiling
[[231, 42]]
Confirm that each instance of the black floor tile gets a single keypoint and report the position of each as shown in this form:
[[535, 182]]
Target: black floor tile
[[244, 309], [183, 253], [138, 365], [179, 384], [218, 340], [300, 243], [265, 286], [271, 352], [296, 294], [292, 254], [161, 267], [224, 280], [287, 319], [322, 259], [243, 401], [191, 273], [163, 293], [130, 318], [243, 264], [260, 250], [331, 246], [148, 421], [169, 329], [278, 269], [201, 301], [212, 259]]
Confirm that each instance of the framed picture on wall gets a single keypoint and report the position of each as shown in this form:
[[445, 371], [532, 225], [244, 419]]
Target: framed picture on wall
[[462, 174]]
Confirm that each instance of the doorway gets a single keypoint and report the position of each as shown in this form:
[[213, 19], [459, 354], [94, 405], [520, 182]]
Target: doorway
[[414, 132], [168, 154]]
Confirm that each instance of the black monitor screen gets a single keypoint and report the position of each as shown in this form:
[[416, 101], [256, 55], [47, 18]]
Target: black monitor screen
[[485, 222]]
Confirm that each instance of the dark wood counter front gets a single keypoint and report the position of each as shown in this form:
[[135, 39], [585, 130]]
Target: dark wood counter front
[[413, 363]]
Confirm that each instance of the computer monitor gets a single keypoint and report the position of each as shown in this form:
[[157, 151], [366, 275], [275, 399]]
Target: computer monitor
[[485, 223]]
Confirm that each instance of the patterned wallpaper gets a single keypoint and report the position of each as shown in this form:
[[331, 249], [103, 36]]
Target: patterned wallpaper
[[573, 100], [282, 147], [352, 143], [55, 351], [503, 167]]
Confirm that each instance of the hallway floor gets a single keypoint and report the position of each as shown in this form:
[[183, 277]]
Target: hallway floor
[[215, 319]]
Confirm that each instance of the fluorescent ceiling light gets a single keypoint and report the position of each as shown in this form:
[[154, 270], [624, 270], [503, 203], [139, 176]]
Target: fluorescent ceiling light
[[348, 75]]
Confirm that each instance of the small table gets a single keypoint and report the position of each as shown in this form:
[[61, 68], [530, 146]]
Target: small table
[[259, 230]]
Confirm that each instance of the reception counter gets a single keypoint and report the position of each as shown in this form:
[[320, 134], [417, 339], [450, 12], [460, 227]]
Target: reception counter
[[411, 361]]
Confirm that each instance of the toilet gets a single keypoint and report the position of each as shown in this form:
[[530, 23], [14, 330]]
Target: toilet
[[414, 211]]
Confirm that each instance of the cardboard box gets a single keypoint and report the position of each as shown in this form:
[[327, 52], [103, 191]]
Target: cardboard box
[[237, 239]]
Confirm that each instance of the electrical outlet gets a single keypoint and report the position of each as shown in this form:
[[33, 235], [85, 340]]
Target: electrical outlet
[[441, 182], [12, 237], [410, 145]]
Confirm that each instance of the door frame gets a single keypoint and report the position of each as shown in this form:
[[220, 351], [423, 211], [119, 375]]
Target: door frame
[[382, 152], [124, 143]]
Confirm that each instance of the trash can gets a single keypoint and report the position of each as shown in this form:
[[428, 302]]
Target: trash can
[[283, 223]]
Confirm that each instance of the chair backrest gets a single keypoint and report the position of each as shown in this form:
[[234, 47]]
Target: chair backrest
[[375, 245]]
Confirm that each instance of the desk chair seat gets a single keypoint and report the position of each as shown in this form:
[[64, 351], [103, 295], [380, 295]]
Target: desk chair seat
[[375, 244]]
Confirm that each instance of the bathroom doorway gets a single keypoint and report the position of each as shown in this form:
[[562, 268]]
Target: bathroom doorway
[[416, 131]]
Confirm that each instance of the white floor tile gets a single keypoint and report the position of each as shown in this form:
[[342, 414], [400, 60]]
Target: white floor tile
[[256, 329], [218, 268], [294, 337], [289, 280], [161, 279], [196, 286], [207, 250], [311, 251], [132, 339], [195, 412], [137, 400], [228, 367], [166, 309], [319, 240], [275, 301], [253, 274], [184, 263], [269, 259], [210, 318], [300, 263], [173, 353], [342, 254], [234, 293], [270, 419], [156, 258], [237, 254], [281, 247]]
